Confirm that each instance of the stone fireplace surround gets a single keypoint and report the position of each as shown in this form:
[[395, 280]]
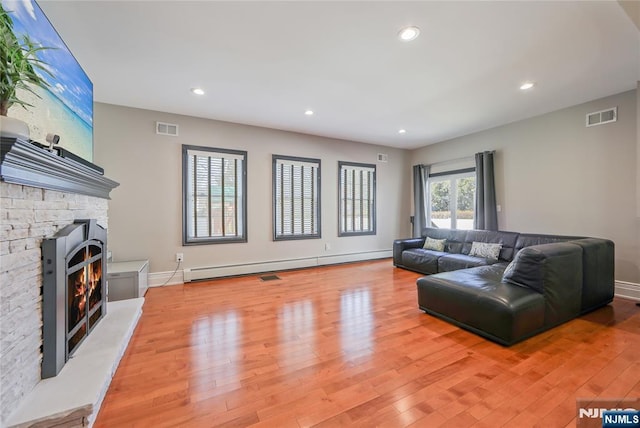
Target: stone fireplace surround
[[35, 203]]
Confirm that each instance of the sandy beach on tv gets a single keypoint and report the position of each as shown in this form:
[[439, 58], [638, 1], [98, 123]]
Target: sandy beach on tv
[[50, 116]]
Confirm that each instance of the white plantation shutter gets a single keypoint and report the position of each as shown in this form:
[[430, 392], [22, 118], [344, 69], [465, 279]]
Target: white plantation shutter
[[296, 194], [357, 184], [214, 195]]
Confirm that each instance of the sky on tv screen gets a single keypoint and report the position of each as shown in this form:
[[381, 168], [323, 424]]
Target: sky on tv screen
[[69, 84]]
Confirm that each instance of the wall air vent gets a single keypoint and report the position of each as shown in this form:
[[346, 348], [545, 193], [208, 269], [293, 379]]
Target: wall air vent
[[382, 157], [163, 128], [603, 116]]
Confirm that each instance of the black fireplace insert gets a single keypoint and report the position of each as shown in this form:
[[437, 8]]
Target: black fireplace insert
[[74, 290]]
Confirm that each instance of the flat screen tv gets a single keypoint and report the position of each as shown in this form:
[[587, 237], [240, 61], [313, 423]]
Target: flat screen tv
[[66, 107]]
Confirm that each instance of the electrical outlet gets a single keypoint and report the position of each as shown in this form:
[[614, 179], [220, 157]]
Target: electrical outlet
[[179, 257], [327, 246]]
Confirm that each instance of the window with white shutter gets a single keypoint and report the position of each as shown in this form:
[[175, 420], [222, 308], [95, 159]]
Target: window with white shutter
[[296, 198], [357, 182], [214, 195]]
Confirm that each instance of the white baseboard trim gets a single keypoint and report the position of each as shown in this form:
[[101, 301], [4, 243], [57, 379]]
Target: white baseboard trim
[[354, 257], [159, 279], [627, 290], [208, 272]]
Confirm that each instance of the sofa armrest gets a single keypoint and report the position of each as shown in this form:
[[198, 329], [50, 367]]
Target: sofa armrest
[[399, 245], [597, 272]]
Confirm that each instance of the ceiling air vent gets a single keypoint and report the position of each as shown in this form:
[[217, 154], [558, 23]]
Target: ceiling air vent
[[382, 157], [603, 116], [163, 128]]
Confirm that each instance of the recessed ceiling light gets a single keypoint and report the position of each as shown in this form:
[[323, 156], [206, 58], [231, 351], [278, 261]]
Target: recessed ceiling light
[[402, 131], [197, 91], [409, 33], [527, 85], [308, 112]]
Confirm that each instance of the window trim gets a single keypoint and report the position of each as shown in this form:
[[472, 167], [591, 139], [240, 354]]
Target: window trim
[[243, 217], [451, 176], [318, 193], [462, 172], [373, 230]]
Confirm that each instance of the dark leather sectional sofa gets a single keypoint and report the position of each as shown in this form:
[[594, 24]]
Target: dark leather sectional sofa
[[536, 282]]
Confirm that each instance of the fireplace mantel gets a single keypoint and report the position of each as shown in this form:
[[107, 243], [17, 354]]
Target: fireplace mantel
[[29, 165]]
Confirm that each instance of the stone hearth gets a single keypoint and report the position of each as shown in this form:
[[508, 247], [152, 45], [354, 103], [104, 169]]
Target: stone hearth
[[86, 376]]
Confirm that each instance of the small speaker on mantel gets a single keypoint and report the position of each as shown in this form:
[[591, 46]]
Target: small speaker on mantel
[[163, 128]]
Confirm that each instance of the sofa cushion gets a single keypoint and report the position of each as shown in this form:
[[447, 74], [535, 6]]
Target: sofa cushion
[[454, 247], [421, 260], [477, 299], [485, 250], [449, 262], [399, 245], [530, 239], [434, 244]]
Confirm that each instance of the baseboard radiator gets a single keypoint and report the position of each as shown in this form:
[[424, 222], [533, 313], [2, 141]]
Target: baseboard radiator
[[628, 290], [209, 272]]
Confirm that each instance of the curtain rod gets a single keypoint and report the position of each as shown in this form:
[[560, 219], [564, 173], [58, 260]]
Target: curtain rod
[[472, 157]]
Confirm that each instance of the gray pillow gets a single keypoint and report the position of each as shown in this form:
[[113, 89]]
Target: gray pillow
[[485, 250], [525, 270]]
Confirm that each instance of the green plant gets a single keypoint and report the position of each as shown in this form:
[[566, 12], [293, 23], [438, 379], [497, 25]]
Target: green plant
[[18, 65]]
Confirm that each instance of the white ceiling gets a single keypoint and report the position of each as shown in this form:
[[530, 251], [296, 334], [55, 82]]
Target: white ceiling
[[263, 63]]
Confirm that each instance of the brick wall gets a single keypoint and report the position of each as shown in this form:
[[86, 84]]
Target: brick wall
[[27, 215]]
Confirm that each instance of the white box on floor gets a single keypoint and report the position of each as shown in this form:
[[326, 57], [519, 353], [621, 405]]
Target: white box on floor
[[127, 280]]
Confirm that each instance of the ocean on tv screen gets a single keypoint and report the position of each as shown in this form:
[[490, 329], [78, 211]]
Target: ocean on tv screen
[[66, 108]]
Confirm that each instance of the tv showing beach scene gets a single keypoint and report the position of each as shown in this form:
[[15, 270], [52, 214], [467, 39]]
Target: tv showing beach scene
[[66, 107]]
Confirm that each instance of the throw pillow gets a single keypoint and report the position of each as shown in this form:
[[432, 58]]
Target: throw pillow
[[485, 250], [525, 270], [508, 271], [434, 244]]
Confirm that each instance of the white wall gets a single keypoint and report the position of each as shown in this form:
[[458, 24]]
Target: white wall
[[145, 214], [554, 175]]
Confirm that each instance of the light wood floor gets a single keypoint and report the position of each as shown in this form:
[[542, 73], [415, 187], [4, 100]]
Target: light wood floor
[[347, 346]]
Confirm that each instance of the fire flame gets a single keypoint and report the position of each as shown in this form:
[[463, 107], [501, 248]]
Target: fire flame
[[92, 273]]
